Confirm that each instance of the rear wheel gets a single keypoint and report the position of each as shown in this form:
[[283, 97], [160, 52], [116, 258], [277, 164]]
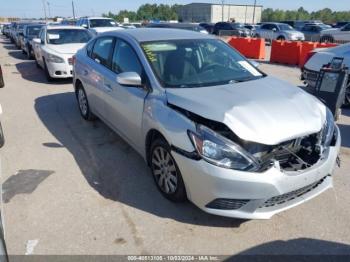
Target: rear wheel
[[281, 38], [327, 39], [165, 172], [83, 104]]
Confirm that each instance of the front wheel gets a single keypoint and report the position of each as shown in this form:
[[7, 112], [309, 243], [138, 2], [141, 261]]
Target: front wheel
[[166, 173], [2, 138], [47, 74]]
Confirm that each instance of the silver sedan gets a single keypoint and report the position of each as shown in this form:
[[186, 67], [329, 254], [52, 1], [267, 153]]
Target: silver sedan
[[212, 128]]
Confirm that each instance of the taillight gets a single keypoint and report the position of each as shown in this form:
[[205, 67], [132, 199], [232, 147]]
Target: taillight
[[309, 55], [72, 60]]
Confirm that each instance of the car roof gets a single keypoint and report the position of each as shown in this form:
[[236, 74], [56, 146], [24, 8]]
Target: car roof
[[64, 27], [97, 17], [159, 34]]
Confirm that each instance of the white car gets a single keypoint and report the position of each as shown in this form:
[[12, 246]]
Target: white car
[[98, 25], [341, 35], [55, 48], [320, 57]]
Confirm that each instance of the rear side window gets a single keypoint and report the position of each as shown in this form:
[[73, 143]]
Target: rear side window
[[102, 50], [125, 59]]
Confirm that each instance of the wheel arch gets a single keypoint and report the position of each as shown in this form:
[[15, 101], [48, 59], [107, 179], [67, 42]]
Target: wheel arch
[[151, 136]]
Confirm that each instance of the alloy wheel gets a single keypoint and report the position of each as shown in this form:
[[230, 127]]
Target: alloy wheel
[[82, 101], [164, 170]]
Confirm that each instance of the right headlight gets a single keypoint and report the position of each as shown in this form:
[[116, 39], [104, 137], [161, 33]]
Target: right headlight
[[54, 59], [328, 129], [221, 151]]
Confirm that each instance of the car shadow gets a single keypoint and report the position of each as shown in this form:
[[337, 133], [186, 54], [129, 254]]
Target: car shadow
[[110, 165], [32, 73], [17, 54], [301, 249]]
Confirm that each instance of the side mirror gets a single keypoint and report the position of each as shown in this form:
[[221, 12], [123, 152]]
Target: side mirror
[[37, 40], [129, 79], [254, 63], [274, 29], [84, 25]]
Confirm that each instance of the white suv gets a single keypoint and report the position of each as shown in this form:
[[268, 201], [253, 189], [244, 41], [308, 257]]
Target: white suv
[[97, 25]]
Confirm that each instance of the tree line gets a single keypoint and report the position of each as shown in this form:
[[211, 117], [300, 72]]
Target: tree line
[[147, 12], [170, 12], [326, 15]]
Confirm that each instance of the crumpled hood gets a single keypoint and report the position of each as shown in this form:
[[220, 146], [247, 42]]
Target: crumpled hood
[[66, 48], [267, 111]]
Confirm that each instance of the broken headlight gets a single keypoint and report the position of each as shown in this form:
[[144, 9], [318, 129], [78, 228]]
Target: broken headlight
[[328, 129], [220, 151]]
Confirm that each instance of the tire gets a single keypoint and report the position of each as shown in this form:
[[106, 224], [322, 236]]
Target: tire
[[2, 138], [29, 53], [347, 96], [47, 74], [327, 39], [165, 172], [83, 104], [281, 38]]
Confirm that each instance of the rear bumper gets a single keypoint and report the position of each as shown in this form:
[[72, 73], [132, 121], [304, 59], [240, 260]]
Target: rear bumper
[[254, 195]]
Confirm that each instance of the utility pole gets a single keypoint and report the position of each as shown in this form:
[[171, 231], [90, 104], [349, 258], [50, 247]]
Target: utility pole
[[254, 12], [44, 6], [222, 7], [48, 7], [73, 9]]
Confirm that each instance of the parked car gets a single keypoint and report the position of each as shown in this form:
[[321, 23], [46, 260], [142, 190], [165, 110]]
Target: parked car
[[55, 48], [3, 250], [6, 30], [279, 31], [299, 24], [229, 29], [29, 33], [18, 34], [97, 25], [185, 26], [312, 32], [212, 127], [341, 24], [208, 26], [320, 57], [340, 35]]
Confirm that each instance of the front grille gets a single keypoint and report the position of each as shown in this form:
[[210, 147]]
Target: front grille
[[227, 204], [310, 75], [281, 199]]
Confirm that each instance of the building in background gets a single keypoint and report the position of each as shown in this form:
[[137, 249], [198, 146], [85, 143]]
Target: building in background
[[213, 13]]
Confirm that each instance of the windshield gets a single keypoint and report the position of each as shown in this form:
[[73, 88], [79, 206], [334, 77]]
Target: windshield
[[33, 30], [67, 36], [237, 25], [102, 23], [197, 63], [285, 27]]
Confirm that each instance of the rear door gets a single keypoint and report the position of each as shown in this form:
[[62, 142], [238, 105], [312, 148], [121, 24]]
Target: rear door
[[125, 103], [98, 64]]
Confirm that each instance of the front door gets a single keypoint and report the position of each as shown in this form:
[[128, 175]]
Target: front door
[[126, 103]]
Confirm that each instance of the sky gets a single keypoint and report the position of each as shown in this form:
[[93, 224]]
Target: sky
[[34, 8]]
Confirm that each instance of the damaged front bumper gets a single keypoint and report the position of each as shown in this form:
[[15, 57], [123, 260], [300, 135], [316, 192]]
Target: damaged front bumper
[[249, 195]]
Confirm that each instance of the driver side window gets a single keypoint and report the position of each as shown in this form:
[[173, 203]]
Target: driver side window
[[42, 36], [125, 59]]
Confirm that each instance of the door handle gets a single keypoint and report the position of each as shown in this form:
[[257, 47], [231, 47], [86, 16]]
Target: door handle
[[108, 87]]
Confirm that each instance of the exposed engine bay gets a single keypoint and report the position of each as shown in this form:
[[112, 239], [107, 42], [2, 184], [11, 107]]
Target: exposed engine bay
[[293, 155]]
